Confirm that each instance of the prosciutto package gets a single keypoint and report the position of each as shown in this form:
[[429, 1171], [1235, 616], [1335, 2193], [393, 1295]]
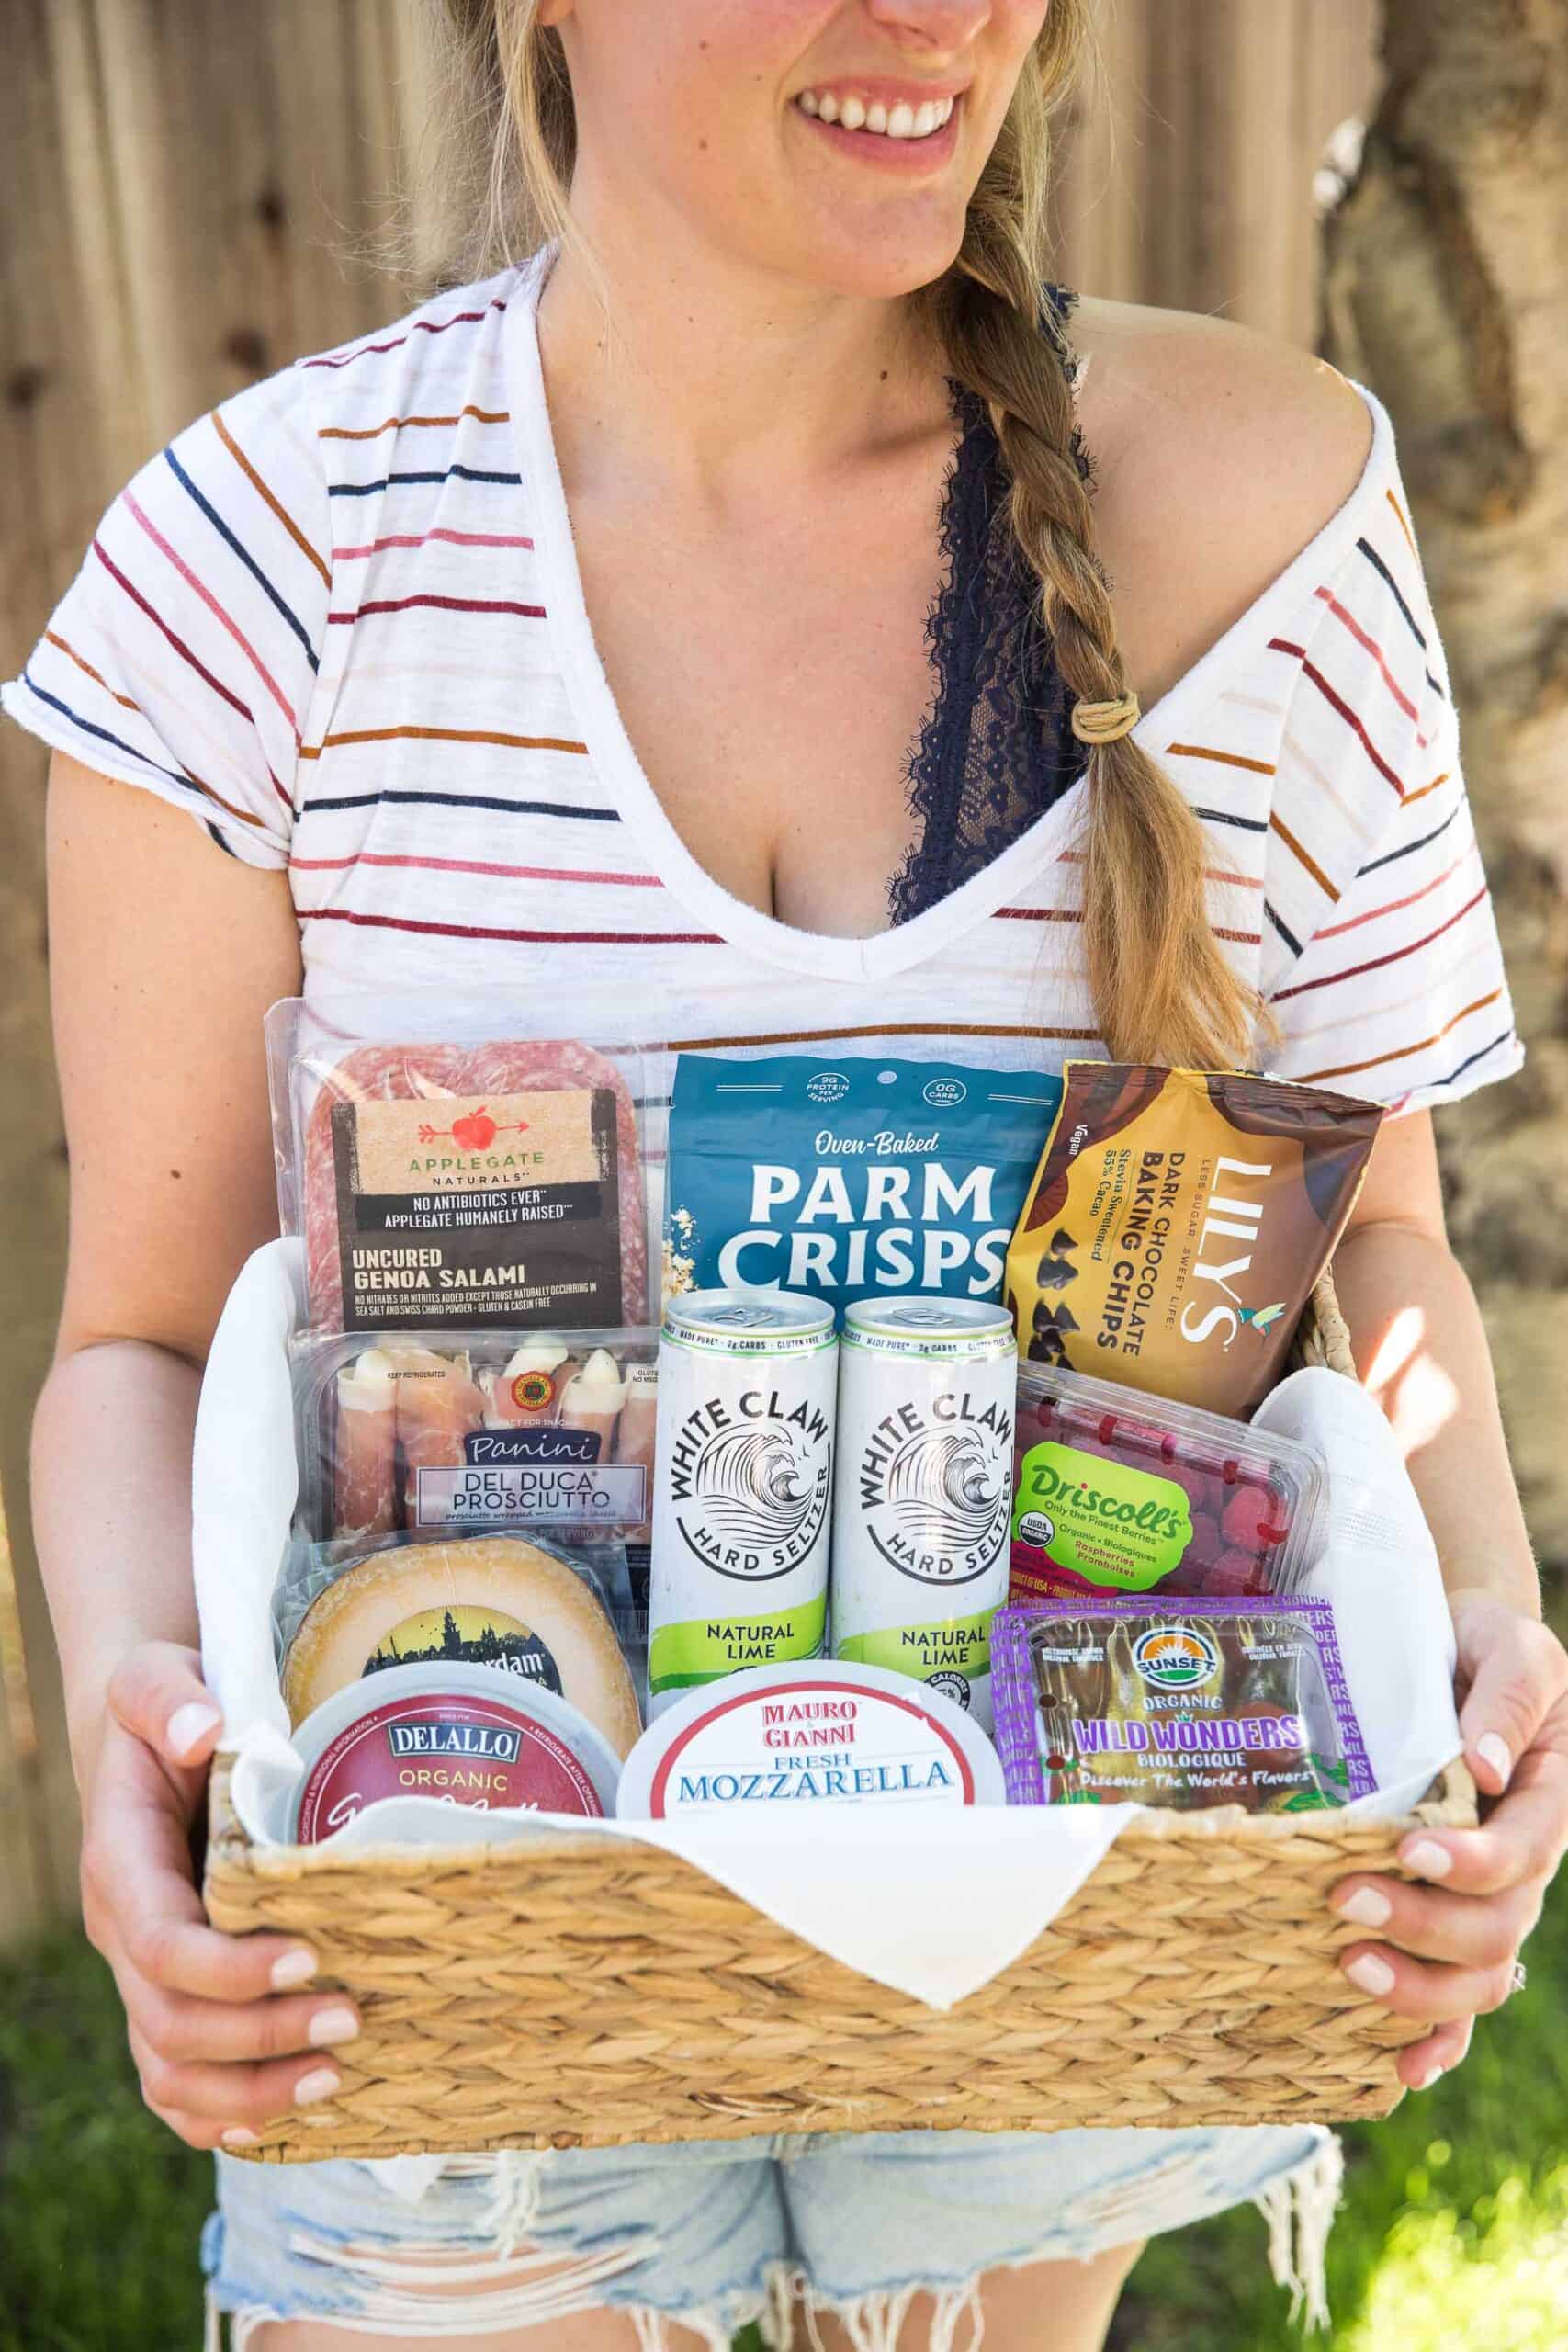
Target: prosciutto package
[[449, 1432], [491, 1181]]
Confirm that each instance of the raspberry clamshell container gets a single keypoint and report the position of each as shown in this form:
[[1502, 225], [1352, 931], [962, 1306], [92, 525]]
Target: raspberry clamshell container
[[1117, 1492]]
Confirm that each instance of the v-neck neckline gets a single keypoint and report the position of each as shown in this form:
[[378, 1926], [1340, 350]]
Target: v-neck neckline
[[827, 954]]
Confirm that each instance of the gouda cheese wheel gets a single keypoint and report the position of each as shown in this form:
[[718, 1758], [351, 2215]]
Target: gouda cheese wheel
[[485, 1600]]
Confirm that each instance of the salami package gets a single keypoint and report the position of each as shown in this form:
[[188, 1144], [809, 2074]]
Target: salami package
[[461, 1164], [451, 1432], [848, 1178], [1177, 1222], [1205, 1703]]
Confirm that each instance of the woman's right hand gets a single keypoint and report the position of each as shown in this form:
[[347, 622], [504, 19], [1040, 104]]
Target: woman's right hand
[[223, 2039]]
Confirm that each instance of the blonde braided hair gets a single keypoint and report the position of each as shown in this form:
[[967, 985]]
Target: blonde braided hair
[[1163, 989]]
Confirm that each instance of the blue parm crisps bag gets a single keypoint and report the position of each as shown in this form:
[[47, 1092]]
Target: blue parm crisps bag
[[848, 1178]]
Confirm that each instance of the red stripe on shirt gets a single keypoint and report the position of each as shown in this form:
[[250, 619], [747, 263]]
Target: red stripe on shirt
[[181, 647], [215, 608], [1396, 956], [1372, 647], [421, 538], [1334, 929], [474, 865], [1336, 702], [439, 604], [420, 326], [483, 931]]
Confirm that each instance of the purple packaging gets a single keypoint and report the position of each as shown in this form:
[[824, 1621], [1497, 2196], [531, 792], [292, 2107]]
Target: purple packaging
[[1187, 1705]]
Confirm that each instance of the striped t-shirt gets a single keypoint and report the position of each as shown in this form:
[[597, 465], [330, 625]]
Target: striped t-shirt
[[339, 621]]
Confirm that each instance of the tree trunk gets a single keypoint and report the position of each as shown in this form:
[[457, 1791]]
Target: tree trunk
[[1446, 290]]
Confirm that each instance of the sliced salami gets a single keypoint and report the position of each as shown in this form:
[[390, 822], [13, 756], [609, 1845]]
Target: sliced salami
[[477, 1205]]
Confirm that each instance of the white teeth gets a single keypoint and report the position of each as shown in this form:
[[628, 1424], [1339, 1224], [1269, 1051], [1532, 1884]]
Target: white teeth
[[900, 121]]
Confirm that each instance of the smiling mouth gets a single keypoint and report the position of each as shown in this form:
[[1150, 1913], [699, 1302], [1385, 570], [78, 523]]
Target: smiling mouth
[[873, 118]]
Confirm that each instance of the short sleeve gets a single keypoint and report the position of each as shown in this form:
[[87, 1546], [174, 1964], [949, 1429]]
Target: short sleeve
[[1382, 962], [183, 654]]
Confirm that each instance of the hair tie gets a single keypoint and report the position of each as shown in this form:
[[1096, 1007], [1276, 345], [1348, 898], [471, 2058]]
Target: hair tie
[[1106, 722]]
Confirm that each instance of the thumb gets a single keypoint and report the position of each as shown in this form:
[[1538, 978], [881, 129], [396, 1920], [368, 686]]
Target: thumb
[[1515, 1673], [157, 1692]]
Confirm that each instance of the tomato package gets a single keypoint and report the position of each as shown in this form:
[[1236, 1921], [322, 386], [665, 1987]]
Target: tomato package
[[1117, 1493]]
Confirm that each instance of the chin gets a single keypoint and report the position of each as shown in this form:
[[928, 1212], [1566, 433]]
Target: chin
[[876, 260]]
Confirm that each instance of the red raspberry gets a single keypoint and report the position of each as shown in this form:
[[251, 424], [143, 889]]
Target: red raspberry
[[1232, 1575], [1254, 1519]]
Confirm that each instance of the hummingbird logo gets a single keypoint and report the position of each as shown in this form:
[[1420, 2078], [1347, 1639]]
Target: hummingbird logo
[[1260, 1317]]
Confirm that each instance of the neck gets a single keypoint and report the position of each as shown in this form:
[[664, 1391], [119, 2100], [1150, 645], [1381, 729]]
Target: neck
[[668, 355]]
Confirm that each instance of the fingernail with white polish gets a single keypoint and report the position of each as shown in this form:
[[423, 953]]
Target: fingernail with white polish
[[238, 2137], [1494, 1749], [323, 2082], [1426, 1858], [1367, 1907], [296, 1967], [1372, 1975], [187, 1724], [332, 2025]]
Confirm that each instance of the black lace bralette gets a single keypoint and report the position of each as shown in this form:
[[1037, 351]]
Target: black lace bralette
[[997, 749]]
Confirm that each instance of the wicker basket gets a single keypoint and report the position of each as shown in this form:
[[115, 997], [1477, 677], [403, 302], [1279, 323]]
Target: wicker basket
[[591, 1993]]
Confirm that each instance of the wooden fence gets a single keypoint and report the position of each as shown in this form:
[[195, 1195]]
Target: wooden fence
[[178, 186]]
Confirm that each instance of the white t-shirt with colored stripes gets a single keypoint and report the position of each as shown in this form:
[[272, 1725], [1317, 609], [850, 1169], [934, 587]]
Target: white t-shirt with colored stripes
[[339, 621]]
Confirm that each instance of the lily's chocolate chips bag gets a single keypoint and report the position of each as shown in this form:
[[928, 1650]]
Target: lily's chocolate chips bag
[[1177, 1222]]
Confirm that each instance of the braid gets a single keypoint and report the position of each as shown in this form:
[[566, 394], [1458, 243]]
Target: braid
[[1161, 988]]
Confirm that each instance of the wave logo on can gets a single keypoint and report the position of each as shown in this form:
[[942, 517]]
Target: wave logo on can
[[1175, 1658], [934, 1493], [751, 1483]]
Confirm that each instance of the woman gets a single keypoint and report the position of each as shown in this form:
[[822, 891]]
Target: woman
[[790, 415]]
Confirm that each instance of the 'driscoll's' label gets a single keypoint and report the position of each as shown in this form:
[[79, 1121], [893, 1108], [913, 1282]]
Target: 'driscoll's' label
[[931, 1485], [704, 1648], [1115, 1527]]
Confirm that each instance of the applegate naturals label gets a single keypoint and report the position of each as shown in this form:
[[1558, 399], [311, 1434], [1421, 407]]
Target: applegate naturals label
[[499, 1209], [1102, 1525]]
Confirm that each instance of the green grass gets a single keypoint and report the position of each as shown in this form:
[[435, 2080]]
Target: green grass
[[1453, 2235]]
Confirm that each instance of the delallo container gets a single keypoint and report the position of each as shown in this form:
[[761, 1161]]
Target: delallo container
[[468, 1735], [742, 1486], [921, 1505]]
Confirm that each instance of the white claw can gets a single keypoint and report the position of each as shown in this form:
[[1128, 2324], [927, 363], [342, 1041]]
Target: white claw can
[[743, 1483], [928, 1389]]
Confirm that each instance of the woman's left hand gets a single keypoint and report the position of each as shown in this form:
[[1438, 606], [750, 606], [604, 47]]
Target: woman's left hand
[[1445, 1950]]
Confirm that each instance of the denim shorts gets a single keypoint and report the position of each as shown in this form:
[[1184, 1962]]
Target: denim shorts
[[716, 2234]]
